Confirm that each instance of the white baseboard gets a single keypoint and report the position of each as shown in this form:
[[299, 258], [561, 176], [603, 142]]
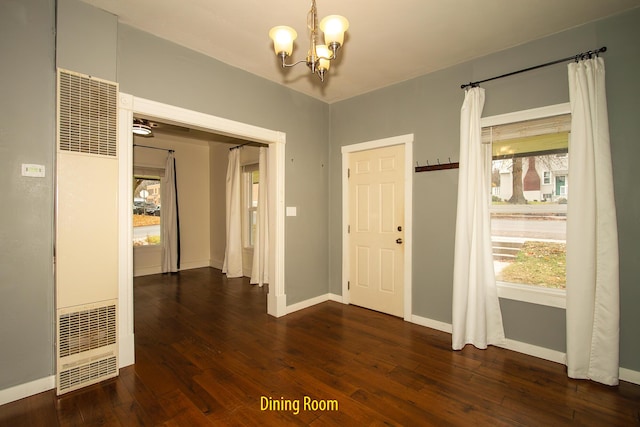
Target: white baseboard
[[127, 356], [28, 389], [200, 263], [630, 376], [525, 348], [307, 303], [534, 350], [313, 301], [520, 347], [430, 323], [335, 297], [276, 304]]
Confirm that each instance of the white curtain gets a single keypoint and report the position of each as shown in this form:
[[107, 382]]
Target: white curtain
[[232, 265], [592, 237], [477, 319], [259, 270], [169, 233]]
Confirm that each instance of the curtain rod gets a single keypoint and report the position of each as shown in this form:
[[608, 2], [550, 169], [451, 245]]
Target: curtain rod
[[239, 146], [576, 58], [154, 148]]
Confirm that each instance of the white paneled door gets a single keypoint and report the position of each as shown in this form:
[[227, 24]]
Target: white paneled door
[[376, 229]]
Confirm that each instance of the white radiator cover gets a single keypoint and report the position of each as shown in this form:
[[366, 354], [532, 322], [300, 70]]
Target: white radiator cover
[[86, 250], [87, 347]]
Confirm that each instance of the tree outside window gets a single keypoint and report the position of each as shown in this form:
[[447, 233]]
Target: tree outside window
[[528, 210]]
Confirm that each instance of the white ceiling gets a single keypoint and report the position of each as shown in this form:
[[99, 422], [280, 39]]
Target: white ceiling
[[388, 41]]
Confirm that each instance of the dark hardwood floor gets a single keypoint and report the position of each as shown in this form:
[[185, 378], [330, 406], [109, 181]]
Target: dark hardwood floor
[[208, 354]]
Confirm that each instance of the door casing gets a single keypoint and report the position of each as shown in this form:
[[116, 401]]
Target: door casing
[[407, 140], [130, 105]]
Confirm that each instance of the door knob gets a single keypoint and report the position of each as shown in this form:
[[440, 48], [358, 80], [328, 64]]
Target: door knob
[[399, 241], [399, 228]]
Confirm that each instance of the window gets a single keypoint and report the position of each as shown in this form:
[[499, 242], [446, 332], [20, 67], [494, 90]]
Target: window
[[146, 210], [528, 214], [251, 178]]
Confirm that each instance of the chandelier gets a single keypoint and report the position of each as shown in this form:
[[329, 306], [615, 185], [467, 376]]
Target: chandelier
[[319, 56]]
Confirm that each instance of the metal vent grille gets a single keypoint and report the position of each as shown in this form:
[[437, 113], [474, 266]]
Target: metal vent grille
[[88, 374], [86, 330], [87, 114]]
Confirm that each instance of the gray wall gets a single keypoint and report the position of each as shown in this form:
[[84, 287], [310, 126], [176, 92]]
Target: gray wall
[[429, 107], [27, 126], [152, 68], [93, 42], [155, 69]]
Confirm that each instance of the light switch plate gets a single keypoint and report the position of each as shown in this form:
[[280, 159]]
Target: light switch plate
[[36, 171], [291, 211]]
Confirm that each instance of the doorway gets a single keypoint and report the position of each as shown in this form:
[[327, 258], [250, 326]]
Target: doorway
[[373, 270], [130, 105]]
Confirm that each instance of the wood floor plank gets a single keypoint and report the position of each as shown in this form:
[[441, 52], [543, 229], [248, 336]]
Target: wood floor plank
[[208, 354]]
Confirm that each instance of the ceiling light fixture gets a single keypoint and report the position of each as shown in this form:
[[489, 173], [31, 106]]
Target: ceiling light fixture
[[141, 127], [319, 56]]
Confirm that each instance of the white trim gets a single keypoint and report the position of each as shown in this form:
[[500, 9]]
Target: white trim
[[407, 140], [313, 301], [533, 294], [627, 375], [534, 350], [21, 391], [276, 299], [126, 350], [536, 295], [276, 141], [335, 297], [534, 113], [308, 303], [126, 354], [517, 346], [433, 324], [630, 376]]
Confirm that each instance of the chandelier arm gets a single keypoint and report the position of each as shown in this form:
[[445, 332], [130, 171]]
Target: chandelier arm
[[285, 65]]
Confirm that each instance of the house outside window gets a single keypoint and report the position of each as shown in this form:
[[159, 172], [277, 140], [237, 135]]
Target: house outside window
[[528, 214]]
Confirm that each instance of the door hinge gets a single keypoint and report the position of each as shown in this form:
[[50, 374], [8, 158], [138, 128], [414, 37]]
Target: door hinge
[[348, 229], [348, 172], [348, 286]]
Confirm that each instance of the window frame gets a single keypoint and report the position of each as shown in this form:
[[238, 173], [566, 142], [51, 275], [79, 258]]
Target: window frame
[[248, 209], [151, 174], [513, 291]]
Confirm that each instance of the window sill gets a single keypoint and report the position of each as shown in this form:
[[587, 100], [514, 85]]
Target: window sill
[[533, 294]]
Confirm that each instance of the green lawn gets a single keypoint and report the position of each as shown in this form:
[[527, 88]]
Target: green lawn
[[538, 263]]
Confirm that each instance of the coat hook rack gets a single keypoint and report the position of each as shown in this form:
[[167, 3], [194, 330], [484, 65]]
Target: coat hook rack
[[437, 167]]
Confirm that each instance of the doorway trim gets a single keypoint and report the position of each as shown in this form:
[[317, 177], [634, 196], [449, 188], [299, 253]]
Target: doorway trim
[[407, 140], [130, 105]]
